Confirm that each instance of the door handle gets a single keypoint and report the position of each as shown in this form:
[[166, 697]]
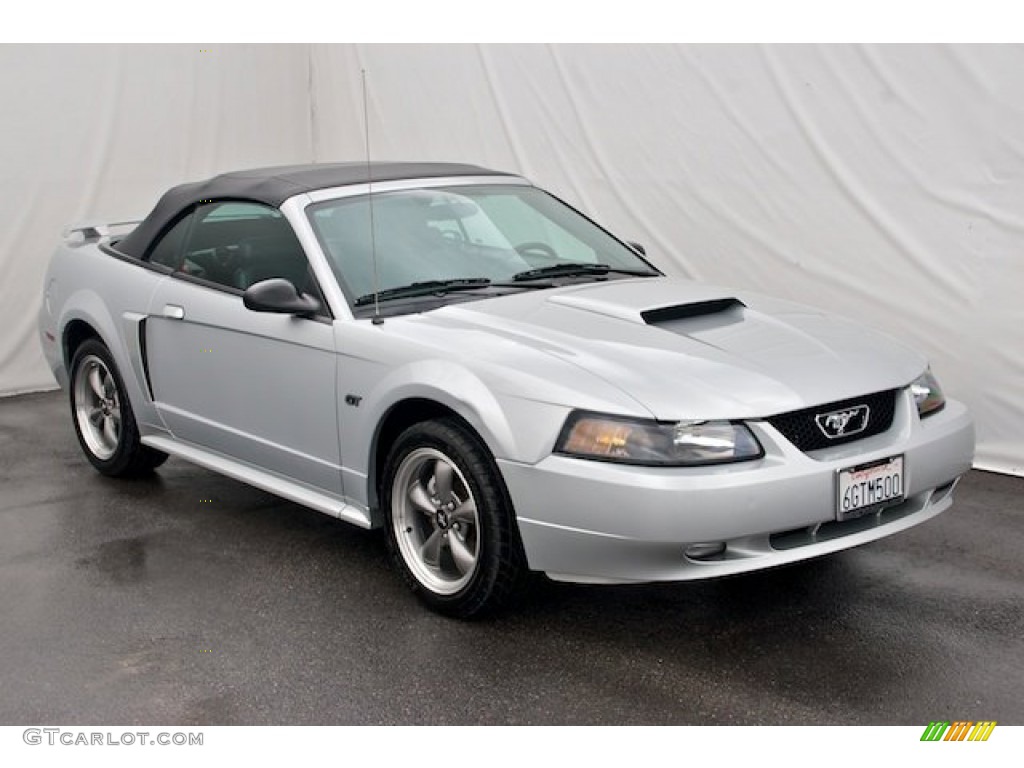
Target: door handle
[[174, 312]]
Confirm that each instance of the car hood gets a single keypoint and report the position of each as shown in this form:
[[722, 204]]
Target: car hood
[[689, 350]]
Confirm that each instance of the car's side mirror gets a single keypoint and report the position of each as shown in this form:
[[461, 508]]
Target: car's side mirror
[[637, 247], [279, 295]]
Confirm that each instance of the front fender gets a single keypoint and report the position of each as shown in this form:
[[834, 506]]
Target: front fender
[[452, 386], [515, 396]]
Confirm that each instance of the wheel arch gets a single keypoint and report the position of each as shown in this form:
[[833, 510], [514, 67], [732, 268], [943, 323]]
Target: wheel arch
[[76, 331], [401, 415], [86, 316]]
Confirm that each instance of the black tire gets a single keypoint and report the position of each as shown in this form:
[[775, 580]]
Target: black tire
[[119, 451], [451, 586]]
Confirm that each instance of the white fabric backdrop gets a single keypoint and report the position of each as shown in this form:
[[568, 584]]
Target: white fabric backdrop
[[100, 131], [884, 183]]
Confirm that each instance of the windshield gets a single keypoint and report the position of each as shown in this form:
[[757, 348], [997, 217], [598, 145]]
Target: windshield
[[501, 233]]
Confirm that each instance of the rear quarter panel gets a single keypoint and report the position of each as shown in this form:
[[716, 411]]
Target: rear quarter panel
[[111, 295]]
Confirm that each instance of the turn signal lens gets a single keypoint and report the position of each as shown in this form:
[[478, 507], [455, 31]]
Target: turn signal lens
[[927, 394], [652, 443], [600, 438]]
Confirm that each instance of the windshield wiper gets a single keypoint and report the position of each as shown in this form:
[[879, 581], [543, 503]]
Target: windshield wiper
[[428, 287], [424, 288], [572, 269]]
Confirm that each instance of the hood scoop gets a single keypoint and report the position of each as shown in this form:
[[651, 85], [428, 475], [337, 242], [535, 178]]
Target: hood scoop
[[646, 302], [667, 315], [703, 321]]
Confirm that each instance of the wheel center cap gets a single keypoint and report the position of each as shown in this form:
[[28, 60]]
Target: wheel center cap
[[443, 521]]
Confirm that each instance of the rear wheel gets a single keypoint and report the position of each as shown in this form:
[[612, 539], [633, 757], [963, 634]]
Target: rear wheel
[[449, 521], [103, 417]]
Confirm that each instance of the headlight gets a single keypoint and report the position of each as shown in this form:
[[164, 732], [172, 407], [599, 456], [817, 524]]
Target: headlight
[[653, 443], [927, 394]]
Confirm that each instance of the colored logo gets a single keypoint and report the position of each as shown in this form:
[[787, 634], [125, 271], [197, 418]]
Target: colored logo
[[958, 731]]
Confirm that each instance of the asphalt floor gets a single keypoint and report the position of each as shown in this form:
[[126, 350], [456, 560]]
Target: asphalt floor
[[189, 599]]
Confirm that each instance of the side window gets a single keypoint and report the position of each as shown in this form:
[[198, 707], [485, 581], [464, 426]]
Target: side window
[[167, 251], [236, 244]]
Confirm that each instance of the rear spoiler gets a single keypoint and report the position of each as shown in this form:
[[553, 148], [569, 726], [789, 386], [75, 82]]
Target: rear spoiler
[[93, 230]]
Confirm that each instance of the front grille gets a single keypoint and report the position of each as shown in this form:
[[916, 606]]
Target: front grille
[[801, 429]]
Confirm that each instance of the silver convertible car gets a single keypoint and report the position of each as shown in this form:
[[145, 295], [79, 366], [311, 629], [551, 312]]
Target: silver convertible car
[[459, 357]]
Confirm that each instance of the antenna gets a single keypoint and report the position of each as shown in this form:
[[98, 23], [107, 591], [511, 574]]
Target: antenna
[[377, 320]]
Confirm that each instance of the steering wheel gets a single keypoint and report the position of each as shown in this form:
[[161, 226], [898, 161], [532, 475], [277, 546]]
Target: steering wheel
[[537, 247]]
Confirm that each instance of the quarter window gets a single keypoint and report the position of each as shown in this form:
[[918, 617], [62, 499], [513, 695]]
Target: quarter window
[[167, 251]]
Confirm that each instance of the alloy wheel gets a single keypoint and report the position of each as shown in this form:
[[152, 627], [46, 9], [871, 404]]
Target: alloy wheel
[[97, 407], [435, 519]]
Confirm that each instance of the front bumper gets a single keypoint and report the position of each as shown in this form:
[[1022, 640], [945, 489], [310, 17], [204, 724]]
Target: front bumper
[[590, 521]]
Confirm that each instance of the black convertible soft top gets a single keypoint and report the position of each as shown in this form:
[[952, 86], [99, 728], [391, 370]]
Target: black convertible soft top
[[272, 186]]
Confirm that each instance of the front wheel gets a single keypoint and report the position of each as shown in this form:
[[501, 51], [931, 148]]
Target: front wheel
[[450, 526], [103, 417]]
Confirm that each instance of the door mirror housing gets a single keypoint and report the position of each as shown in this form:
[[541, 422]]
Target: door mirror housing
[[279, 295]]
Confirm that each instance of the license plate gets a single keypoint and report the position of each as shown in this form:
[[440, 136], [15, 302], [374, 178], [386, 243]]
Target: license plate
[[869, 488]]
